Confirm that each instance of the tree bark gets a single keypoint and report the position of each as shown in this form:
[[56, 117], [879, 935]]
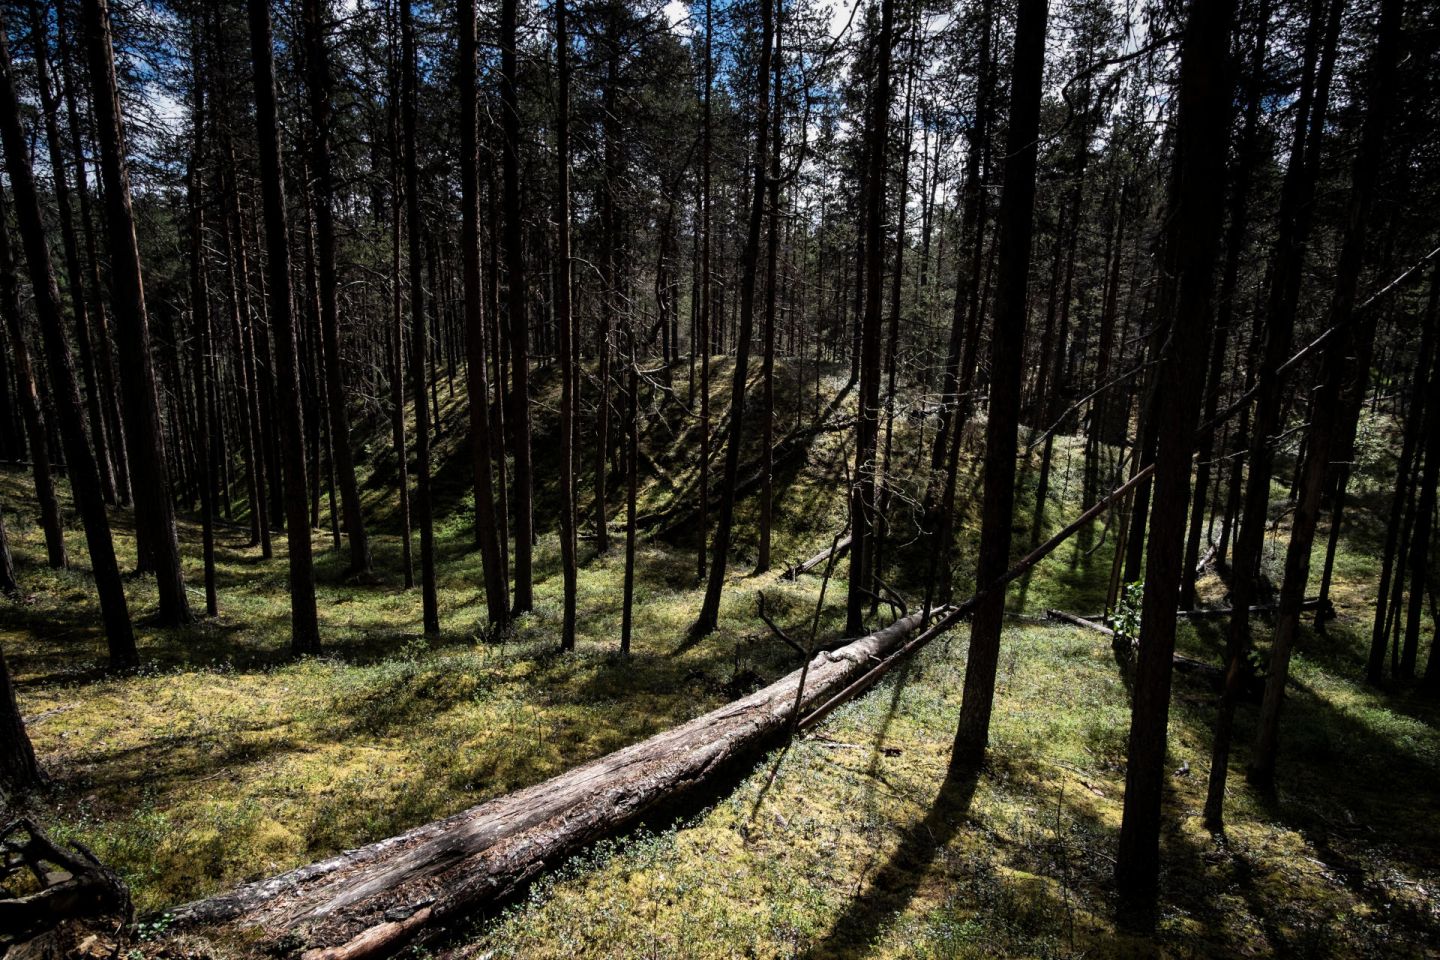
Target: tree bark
[[84, 475], [18, 769], [1016, 220], [569, 365], [373, 900], [867, 424], [1292, 233], [201, 324], [1325, 410], [1202, 127], [522, 486], [31, 412], [720, 553], [154, 510], [50, 104], [318, 88], [304, 624], [422, 505]]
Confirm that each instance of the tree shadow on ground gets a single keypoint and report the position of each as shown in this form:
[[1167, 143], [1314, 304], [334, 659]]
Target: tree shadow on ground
[[895, 885]]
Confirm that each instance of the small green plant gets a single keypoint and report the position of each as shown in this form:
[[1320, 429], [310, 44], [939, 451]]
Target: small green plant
[[153, 928], [1125, 619]]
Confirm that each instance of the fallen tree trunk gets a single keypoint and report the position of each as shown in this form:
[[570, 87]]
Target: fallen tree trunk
[[794, 571], [373, 901], [1210, 672], [1198, 613]]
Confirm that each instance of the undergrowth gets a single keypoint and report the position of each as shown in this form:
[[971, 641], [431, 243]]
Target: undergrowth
[[225, 759]]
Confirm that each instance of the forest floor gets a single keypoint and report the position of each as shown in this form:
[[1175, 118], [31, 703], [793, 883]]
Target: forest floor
[[224, 759]]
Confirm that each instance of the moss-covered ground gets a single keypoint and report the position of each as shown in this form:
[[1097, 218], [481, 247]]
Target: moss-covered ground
[[226, 759]]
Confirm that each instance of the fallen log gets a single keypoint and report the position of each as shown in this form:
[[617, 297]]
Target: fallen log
[[1213, 674], [794, 571], [375, 900], [1198, 613]]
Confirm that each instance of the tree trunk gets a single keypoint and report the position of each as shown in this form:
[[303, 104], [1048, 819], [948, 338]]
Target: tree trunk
[[569, 360], [1325, 410], [200, 322], [1016, 220], [31, 412], [720, 555], [373, 900], [304, 625], [522, 485], [18, 770], [867, 424], [90, 277], [1292, 234], [154, 510], [1202, 127], [318, 87], [1415, 418], [84, 475], [50, 103], [767, 363], [1225, 301], [409, 79], [703, 324]]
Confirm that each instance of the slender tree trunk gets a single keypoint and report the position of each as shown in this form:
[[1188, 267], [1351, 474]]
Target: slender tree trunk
[[767, 363], [1016, 221], [423, 507], [522, 486], [1325, 410], [245, 339], [1225, 302], [31, 411], [1292, 234], [1195, 222], [892, 346], [304, 624], [154, 511], [90, 276], [569, 361], [1420, 538], [318, 88], [50, 103], [1415, 417], [84, 475], [867, 424], [704, 342], [965, 321], [632, 487], [200, 321], [487, 534], [720, 555]]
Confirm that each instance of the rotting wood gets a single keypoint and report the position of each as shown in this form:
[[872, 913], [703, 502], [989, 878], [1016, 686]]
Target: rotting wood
[[373, 901], [72, 883]]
